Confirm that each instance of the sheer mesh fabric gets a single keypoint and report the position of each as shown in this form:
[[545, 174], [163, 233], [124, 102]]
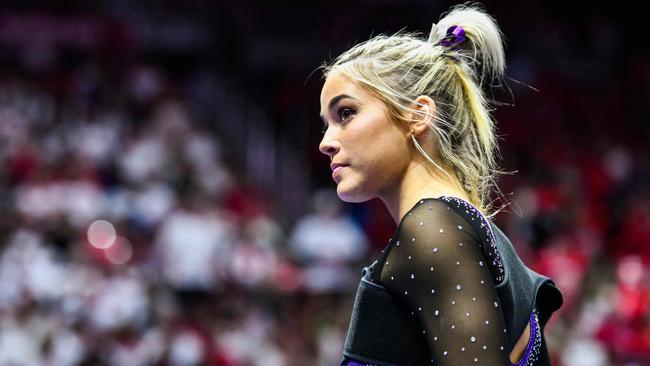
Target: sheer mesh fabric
[[436, 264]]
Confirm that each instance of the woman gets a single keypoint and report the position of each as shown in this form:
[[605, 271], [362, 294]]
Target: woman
[[406, 121]]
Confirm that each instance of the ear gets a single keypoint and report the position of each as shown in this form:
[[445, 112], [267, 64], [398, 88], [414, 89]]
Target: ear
[[422, 114]]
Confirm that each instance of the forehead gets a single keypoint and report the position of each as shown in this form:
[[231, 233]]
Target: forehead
[[338, 83]]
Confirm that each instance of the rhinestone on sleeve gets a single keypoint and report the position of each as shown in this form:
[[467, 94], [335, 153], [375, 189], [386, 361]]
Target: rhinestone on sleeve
[[440, 266], [484, 228]]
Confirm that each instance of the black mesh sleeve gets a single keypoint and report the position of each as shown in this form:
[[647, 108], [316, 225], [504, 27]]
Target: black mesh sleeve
[[437, 266]]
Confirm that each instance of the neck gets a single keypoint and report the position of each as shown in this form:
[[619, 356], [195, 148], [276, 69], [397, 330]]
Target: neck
[[421, 180]]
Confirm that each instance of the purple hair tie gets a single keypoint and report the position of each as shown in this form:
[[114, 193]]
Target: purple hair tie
[[455, 35]]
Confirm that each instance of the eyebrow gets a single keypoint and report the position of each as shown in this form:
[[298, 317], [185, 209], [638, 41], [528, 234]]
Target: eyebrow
[[335, 100]]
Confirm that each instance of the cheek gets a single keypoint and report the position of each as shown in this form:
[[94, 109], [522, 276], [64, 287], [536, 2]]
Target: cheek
[[385, 153], [390, 159]]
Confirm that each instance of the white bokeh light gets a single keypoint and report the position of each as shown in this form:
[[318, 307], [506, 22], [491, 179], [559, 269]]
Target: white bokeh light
[[101, 234]]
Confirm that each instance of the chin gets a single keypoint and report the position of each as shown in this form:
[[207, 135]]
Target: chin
[[352, 194]]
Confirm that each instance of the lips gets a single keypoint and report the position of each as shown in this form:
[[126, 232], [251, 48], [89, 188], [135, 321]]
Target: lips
[[334, 166]]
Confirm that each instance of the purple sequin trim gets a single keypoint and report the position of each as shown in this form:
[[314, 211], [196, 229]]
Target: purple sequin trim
[[356, 363], [533, 349], [492, 252]]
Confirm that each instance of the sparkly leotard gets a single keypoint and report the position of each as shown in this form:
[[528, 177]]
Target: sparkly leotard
[[444, 265]]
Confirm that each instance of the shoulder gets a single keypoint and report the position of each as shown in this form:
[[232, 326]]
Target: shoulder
[[433, 231], [436, 231], [435, 217]]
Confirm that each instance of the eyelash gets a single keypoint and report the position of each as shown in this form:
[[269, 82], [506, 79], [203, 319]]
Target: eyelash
[[342, 109], [339, 112]]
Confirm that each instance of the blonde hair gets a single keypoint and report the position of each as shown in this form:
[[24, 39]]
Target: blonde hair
[[401, 67]]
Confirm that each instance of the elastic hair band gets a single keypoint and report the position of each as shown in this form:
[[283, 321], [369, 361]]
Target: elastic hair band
[[455, 35]]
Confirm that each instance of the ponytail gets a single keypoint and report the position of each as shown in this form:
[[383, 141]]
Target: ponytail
[[483, 49]]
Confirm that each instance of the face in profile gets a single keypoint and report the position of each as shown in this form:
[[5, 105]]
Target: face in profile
[[368, 151]]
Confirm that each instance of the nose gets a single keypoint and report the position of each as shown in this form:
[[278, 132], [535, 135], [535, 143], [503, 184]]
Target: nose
[[329, 145]]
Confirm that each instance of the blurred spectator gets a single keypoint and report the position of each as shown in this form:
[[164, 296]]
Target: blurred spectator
[[327, 243], [194, 248]]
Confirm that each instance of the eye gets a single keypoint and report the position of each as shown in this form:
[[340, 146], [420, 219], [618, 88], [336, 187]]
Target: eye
[[323, 130], [344, 113]]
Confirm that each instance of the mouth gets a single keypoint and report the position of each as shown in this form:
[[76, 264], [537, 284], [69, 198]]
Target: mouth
[[336, 170], [337, 166]]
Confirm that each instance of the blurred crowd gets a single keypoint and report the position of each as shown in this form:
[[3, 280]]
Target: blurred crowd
[[128, 237]]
